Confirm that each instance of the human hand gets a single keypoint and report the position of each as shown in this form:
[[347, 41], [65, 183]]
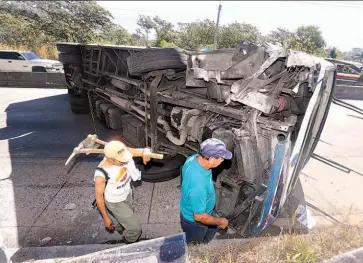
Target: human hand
[[223, 224], [108, 223], [146, 155]]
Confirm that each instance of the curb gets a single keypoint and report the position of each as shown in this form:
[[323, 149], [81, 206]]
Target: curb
[[28, 254], [354, 256], [164, 249]]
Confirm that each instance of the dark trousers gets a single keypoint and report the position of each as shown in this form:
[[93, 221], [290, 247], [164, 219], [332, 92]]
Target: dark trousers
[[196, 232]]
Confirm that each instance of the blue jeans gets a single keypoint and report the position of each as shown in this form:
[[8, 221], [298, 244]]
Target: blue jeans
[[197, 232]]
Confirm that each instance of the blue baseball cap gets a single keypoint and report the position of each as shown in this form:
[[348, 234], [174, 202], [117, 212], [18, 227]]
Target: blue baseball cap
[[215, 148]]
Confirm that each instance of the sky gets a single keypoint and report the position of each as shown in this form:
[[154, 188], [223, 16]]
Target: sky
[[341, 22]]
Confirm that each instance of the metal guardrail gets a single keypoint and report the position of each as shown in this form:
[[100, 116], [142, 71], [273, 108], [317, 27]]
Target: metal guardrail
[[33, 80]]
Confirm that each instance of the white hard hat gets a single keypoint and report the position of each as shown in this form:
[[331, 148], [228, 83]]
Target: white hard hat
[[118, 151]]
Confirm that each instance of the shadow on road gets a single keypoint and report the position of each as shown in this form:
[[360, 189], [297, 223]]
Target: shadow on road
[[38, 136]]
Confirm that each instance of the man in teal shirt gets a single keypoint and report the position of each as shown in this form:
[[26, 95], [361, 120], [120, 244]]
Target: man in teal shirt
[[198, 196]]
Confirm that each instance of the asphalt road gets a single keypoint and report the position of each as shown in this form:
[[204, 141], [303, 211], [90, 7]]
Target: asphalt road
[[38, 132]]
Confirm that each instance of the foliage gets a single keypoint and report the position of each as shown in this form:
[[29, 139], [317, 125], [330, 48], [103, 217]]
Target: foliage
[[320, 52], [196, 35], [68, 21], [117, 35], [165, 44], [357, 54], [199, 34], [46, 51], [145, 24], [281, 36], [164, 32], [15, 31], [339, 54], [231, 35], [305, 38], [333, 53], [37, 24], [308, 39], [316, 246]]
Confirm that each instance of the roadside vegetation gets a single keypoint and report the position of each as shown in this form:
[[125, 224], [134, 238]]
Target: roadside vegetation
[[46, 51], [293, 248], [38, 25]]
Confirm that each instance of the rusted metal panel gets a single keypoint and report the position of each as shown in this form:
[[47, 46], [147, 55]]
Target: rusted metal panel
[[153, 108]]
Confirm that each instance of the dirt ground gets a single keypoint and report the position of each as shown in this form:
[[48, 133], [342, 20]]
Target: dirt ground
[[313, 247]]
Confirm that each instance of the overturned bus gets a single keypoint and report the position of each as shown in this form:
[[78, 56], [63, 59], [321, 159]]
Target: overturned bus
[[267, 104]]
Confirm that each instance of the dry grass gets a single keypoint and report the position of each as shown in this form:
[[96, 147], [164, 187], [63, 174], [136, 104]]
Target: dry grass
[[49, 52], [313, 247]]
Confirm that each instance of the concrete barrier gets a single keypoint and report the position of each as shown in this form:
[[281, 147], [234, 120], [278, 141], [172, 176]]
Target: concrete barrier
[[355, 256], [171, 249], [32, 80]]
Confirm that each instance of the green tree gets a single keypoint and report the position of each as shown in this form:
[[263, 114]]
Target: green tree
[[196, 35], [339, 55], [16, 31], [165, 44], [321, 52], [146, 24], [308, 39], [305, 38], [357, 54], [164, 32], [333, 53], [281, 36], [117, 35], [231, 35], [69, 21], [347, 56]]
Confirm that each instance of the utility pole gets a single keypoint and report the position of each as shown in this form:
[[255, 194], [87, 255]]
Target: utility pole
[[217, 25]]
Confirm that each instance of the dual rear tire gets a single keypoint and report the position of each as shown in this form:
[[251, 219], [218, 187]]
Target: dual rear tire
[[79, 104]]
